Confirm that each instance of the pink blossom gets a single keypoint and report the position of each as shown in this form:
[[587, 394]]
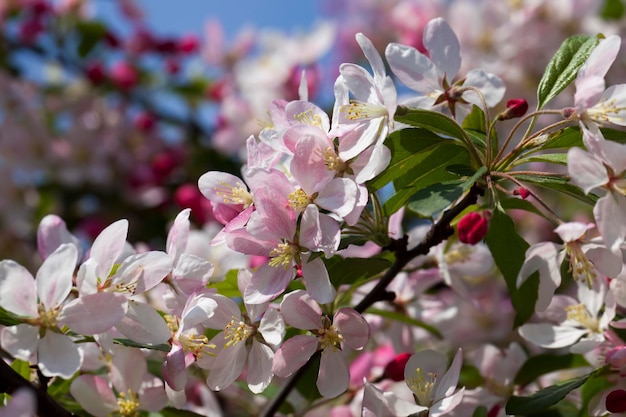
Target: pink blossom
[[346, 329]]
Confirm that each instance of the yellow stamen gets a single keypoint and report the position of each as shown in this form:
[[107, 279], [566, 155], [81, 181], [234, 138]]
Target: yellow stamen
[[172, 322], [330, 338], [358, 110], [198, 345], [128, 404], [283, 254], [47, 318], [298, 200], [236, 331], [580, 314], [579, 265], [236, 194], [333, 162], [422, 386], [308, 118]]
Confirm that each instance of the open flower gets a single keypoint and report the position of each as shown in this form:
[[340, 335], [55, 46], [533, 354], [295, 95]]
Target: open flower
[[41, 303], [431, 381], [433, 75], [347, 328], [135, 389]]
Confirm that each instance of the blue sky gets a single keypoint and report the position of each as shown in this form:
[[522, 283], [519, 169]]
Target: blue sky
[[184, 16]]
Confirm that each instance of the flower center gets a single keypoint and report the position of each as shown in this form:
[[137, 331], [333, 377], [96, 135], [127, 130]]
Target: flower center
[[579, 265], [330, 338], [605, 111], [283, 254], [47, 318], [172, 322], [236, 331], [333, 162], [128, 403], [298, 200], [309, 118], [197, 345], [422, 386], [580, 314], [357, 110], [234, 194]]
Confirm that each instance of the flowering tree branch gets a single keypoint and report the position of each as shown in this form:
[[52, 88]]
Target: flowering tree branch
[[439, 231]]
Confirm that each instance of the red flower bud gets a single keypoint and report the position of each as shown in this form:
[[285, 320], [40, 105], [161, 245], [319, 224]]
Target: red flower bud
[[616, 401], [472, 228], [516, 107], [124, 75], [188, 44], [395, 369], [145, 122], [522, 192]]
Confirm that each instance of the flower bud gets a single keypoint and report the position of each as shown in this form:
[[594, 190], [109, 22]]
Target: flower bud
[[516, 107], [124, 75], [472, 228], [522, 192], [616, 401], [395, 368]]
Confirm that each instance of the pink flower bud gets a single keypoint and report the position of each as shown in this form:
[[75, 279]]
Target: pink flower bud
[[395, 369], [124, 75], [522, 192], [472, 228], [188, 44], [616, 401], [516, 107]]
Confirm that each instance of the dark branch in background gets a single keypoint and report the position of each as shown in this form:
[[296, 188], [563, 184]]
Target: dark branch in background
[[11, 381], [439, 232]]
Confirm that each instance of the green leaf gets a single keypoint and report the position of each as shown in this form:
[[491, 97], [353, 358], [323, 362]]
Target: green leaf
[[433, 121], [542, 364], [409, 148], [475, 120], [22, 368], [461, 170], [351, 271], [612, 10], [431, 170], [544, 398], [521, 204], [481, 411], [614, 134], [593, 386], [564, 66], [559, 184], [564, 139], [508, 249], [228, 287], [435, 198], [550, 158], [163, 347], [403, 318], [9, 319], [90, 33]]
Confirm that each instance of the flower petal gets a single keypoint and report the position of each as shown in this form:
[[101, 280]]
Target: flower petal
[[54, 277], [59, 355], [94, 313], [18, 291]]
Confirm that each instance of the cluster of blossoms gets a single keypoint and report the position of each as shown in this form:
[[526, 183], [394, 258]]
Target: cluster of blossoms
[[336, 251]]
